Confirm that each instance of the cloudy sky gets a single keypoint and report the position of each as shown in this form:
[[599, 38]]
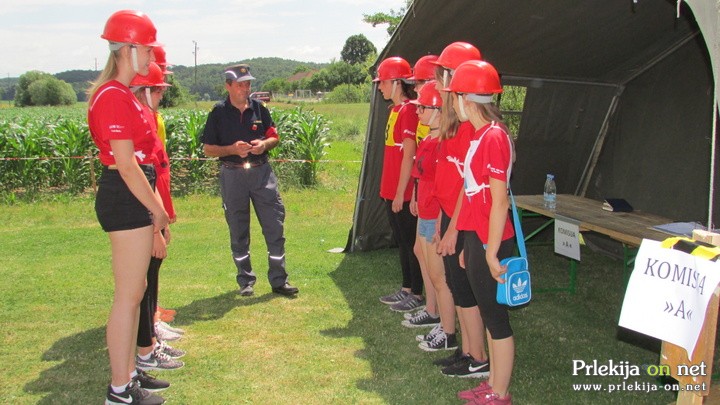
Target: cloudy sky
[[54, 36]]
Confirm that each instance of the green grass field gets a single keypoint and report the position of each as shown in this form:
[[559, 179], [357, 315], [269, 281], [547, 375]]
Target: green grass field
[[334, 343]]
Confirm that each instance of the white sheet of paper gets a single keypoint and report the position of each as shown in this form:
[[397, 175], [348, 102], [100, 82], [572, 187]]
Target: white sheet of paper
[[668, 294]]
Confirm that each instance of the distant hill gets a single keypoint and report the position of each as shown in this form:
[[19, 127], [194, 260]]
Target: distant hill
[[207, 82]]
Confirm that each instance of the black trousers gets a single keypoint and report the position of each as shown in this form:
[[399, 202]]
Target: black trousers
[[148, 305], [456, 276], [404, 228], [495, 316]]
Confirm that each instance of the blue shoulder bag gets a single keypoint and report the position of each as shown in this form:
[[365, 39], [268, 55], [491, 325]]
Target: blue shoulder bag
[[516, 289]]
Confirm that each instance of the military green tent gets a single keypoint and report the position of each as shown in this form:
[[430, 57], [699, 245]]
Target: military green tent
[[620, 98]]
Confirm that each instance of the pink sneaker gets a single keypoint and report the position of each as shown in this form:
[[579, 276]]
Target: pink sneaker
[[475, 393], [491, 398]]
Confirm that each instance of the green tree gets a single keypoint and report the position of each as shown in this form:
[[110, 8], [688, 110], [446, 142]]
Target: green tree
[[175, 95], [277, 86], [51, 91], [337, 73], [357, 49], [22, 95], [392, 19], [45, 90]]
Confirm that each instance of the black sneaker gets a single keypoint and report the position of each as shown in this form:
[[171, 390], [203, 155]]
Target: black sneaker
[[450, 360], [395, 297], [150, 383], [467, 367], [133, 395], [420, 319], [441, 341]]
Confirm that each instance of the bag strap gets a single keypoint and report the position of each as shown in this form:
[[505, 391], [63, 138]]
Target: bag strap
[[518, 227]]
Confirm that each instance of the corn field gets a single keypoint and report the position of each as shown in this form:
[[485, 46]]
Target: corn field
[[49, 150]]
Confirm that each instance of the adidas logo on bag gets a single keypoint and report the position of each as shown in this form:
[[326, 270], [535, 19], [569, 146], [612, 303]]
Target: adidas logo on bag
[[516, 290]]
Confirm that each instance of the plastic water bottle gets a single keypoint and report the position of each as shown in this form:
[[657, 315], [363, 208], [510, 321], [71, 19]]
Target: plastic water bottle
[[550, 192]]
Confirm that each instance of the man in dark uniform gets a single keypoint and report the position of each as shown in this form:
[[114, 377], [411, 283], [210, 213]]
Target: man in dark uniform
[[240, 132]]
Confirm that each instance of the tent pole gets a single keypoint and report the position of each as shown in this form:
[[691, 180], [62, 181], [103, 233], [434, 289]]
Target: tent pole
[[711, 199], [527, 79], [598, 146]]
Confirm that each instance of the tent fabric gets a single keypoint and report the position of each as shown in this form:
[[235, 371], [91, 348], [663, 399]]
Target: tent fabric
[[619, 98]]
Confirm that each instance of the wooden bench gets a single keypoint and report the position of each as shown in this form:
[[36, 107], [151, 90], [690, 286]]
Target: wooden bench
[[629, 228]]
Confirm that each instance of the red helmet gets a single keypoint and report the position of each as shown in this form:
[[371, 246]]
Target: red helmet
[[429, 96], [392, 69], [160, 59], [424, 68], [154, 78], [130, 27], [456, 53], [475, 77]]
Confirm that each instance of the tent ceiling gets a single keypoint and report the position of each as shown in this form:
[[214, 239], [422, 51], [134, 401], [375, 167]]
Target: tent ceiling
[[596, 41]]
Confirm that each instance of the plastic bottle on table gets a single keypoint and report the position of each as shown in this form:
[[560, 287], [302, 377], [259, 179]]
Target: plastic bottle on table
[[550, 192]]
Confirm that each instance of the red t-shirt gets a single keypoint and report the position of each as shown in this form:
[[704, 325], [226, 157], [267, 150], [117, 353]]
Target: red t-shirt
[[115, 113], [448, 175], [424, 171], [489, 156], [401, 125]]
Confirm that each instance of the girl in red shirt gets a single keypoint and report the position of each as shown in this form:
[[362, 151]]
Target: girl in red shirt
[[126, 204], [395, 185], [429, 103], [484, 217], [471, 360], [153, 351]]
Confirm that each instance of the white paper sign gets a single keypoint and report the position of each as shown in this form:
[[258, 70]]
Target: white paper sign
[[567, 239], [668, 294]]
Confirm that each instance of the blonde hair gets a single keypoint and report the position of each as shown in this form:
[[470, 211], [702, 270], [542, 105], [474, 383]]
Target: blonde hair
[[107, 74], [491, 113], [449, 121]]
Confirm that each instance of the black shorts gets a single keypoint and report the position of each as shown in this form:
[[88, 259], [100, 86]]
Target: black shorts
[[116, 207]]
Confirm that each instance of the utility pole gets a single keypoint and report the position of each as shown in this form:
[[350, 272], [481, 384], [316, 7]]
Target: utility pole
[[195, 54]]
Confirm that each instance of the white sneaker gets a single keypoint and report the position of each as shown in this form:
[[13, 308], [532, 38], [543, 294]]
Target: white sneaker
[[433, 332], [172, 329], [164, 334]]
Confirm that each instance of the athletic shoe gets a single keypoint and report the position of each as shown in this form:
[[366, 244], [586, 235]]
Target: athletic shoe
[[164, 334], [450, 360], [173, 352], [410, 303], [395, 297], [169, 328], [468, 367], [420, 319], [158, 361], [430, 335], [148, 382], [491, 398], [132, 395], [409, 315], [441, 341], [475, 393]]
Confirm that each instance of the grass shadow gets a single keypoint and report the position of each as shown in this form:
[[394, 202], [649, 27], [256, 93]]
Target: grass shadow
[[397, 365], [81, 375], [550, 333]]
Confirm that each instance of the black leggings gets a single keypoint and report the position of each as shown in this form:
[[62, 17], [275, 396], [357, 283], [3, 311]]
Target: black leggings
[[484, 286], [455, 276], [404, 228], [148, 306]]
